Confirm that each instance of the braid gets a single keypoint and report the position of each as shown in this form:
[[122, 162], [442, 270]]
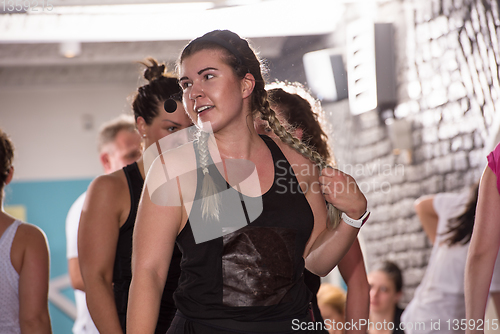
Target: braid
[[238, 54], [301, 110], [269, 115], [211, 201]]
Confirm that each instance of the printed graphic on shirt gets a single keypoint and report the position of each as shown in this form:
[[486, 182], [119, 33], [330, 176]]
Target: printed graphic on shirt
[[250, 276]]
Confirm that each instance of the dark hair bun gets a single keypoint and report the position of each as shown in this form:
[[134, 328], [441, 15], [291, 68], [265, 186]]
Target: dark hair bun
[[153, 70]]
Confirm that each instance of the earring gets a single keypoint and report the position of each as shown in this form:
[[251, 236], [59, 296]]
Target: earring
[[144, 135]]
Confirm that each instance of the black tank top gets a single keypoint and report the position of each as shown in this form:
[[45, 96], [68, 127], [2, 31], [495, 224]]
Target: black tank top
[[122, 273], [313, 283], [255, 272]]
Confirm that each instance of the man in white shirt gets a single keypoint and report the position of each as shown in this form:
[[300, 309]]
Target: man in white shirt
[[119, 146]]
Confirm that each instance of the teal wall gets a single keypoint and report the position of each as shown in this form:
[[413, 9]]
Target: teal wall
[[47, 203]]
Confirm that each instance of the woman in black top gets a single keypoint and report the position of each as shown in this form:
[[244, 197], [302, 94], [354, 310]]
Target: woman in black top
[[296, 108], [108, 216], [244, 240]]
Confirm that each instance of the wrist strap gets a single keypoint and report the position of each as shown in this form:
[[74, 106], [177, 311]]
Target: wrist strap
[[357, 223]]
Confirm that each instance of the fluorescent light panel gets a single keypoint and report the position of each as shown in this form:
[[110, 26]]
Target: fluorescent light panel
[[153, 8]]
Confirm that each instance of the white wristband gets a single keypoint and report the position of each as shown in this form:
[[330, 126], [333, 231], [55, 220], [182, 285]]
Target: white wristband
[[356, 223]]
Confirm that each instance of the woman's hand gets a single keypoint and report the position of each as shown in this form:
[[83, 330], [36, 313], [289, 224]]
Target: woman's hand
[[341, 190]]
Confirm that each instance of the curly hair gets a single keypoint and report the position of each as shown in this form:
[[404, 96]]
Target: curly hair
[[302, 111], [6, 159]]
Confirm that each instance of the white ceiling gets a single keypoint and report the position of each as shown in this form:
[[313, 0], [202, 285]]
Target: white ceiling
[[121, 31], [133, 2], [167, 21]]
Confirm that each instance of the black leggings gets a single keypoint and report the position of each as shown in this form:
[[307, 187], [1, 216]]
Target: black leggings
[[184, 325]]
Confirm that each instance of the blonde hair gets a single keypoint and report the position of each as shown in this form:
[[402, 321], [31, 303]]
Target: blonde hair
[[332, 296], [238, 54], [211, 202], [110, 129]]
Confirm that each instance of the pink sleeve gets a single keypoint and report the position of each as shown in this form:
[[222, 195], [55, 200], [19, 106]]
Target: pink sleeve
[[494, 163]]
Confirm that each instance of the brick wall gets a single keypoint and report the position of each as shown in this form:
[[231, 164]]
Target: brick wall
[[447, 56]]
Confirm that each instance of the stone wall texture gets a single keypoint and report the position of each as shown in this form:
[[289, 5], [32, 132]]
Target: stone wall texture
[[447, 56]]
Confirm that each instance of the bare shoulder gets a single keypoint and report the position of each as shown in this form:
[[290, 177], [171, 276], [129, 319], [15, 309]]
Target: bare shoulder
[[114, 182], [107, 202], [29, 247], [107, 192], [31, 236], [425, 202]]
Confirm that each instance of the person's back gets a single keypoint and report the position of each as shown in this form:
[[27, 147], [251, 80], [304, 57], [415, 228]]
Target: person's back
[[23, 256], [446, 268], [24, 265], [108, 219], [118, 146], [448, 220], [9, 283]]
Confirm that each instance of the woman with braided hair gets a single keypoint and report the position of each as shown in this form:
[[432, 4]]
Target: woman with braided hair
[[303, 115], [247, 278], [108, 216]]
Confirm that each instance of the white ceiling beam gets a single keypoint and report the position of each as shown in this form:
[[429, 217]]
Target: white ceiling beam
[[264, 19]]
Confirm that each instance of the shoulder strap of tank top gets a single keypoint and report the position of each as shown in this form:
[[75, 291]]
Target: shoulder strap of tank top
[[276, 153], [274, 148], [8, 236], [135, 185], [134, 177], [133, 173]]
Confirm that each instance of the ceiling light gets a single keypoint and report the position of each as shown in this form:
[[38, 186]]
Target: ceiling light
[[70, 49]]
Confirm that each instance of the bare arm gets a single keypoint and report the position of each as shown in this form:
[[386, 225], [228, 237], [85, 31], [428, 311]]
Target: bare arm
[[483, 248], [427, 214], [75, 274], [34, 282], [352, 269], [328, 246], [97, 240], [155, 232]]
